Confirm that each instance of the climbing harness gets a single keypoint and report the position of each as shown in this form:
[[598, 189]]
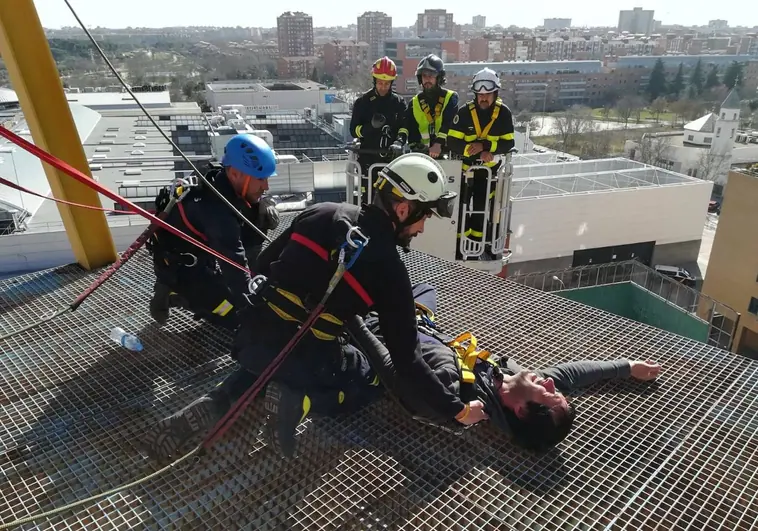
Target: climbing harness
[[355, 241], [160, 130], [156, 221]]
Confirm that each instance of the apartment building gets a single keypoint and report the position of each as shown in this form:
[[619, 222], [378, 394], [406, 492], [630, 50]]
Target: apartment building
[[435, 22], [347, 57], [295, 34], [374, 28]]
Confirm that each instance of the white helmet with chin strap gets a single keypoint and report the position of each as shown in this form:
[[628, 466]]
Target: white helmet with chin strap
[[420, 178], [486, 81]]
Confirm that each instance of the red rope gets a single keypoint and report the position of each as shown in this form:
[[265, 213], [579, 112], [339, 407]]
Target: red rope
[[15, 186], [60, 165]]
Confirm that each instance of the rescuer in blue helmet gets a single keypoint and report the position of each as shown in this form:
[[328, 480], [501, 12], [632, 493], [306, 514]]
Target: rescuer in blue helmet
[[193, 279]]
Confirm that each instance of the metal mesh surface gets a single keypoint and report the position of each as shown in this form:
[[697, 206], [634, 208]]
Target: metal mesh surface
[[676, 454]]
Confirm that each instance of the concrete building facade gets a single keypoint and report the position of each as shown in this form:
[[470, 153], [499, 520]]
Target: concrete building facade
[[636, 21], [732, 276]]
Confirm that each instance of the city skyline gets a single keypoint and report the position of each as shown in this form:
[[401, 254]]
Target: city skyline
[[148, 13]]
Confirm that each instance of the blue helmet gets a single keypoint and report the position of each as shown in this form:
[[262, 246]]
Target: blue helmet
[[251, 155]]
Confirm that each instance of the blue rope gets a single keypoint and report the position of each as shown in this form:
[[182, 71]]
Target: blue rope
[[360, 244]]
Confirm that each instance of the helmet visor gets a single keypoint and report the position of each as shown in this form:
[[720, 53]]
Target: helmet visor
[[484, 86]]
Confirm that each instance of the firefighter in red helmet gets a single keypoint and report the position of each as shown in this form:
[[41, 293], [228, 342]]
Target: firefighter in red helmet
[[378, 122]]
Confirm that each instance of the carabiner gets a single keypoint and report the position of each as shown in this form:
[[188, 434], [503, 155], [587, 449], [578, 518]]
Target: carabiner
[[194, 259], [360, 241]]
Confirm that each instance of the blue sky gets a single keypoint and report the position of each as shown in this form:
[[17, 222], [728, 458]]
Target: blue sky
[[257, 13]]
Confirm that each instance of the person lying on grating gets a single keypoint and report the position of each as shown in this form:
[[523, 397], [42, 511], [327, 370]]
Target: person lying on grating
[[529, 406]]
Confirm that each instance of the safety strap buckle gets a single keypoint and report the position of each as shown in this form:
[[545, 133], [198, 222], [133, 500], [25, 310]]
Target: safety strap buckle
[[356, 241]]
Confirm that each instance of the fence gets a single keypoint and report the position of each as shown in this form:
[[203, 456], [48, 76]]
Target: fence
[[722, 319]]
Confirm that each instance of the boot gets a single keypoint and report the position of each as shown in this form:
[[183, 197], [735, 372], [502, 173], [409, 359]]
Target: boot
[[286, 409], [159, 304], [167, 438]]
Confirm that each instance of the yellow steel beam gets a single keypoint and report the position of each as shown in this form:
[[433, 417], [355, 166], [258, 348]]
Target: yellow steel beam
[[35, 78]]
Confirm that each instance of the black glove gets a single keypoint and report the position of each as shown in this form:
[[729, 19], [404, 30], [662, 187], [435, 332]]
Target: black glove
[[268, 215], [378, 121]]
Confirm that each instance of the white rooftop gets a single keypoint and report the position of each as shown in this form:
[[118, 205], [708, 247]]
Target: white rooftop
[[590, 176], [704, 124]]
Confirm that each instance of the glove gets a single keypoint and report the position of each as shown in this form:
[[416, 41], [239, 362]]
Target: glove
[[378, 121], [268, 215]]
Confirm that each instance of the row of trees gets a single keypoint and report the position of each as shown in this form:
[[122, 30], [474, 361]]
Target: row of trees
[[698, 82]]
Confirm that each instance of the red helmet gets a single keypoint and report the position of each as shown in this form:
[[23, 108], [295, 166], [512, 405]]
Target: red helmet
[[384, 69]]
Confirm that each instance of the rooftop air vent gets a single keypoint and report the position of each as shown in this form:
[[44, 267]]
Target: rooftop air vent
[[102, 149], [140, 137], [133, 172], [138, 152], [138, 144]]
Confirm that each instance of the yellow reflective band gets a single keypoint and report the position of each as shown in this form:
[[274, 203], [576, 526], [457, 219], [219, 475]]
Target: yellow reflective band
[[467, 376], [306, 407], [492, 194], [375, 381], [402, 130], [455, 134], [493, 144], [224, 308], [358, 131], [474, 233], [508, 136], [443, 136], [340, 397]]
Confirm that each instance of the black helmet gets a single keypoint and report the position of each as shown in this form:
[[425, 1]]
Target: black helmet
[[431, 63]]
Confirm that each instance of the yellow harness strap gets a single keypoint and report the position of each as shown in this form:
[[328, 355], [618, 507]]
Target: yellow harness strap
[[428, 112], [465, 348], [482, 135]]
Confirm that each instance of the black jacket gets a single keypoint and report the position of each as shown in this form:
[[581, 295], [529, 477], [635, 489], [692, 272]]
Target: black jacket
[[380, 272], [432, 98], [500, 139], [441, 359], [392, 107], [220, 228]]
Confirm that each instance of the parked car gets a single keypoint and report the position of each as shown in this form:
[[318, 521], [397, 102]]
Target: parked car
[[714, 207], [677, 273]]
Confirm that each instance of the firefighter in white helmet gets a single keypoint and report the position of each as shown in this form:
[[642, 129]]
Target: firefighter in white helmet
[[481, 130], [326, 372]]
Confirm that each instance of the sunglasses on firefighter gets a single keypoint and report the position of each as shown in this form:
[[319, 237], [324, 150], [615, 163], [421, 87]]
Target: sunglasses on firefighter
[[484, 86]]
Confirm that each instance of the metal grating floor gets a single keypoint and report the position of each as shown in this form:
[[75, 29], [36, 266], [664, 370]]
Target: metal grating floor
[[673, 455]]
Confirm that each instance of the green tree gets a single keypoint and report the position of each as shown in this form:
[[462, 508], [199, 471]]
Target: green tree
[[657, 84], [713, 78], [677, 85], [734, 75], [696, 78]]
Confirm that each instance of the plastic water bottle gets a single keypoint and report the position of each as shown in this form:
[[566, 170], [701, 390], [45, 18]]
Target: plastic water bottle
[[129, 341]]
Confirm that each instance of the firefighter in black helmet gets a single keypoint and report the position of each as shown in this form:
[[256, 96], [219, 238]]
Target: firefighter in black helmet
[[432, 110]]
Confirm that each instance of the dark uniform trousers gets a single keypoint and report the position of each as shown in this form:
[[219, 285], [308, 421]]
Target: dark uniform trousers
[[477, 197], [337, 377], [199, 289]]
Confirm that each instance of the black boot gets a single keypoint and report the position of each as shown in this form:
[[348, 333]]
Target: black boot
[[286, 409], [159, 304]]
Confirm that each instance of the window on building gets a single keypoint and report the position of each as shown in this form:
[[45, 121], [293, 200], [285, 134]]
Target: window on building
[[734, 117], [718, 131], [723, 115], [708, 139], [690, 137], [753, 306], [732, 135]]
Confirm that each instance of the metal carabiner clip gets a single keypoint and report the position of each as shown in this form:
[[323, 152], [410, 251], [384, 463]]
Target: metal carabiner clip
[[194, 259], [361, 240]]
